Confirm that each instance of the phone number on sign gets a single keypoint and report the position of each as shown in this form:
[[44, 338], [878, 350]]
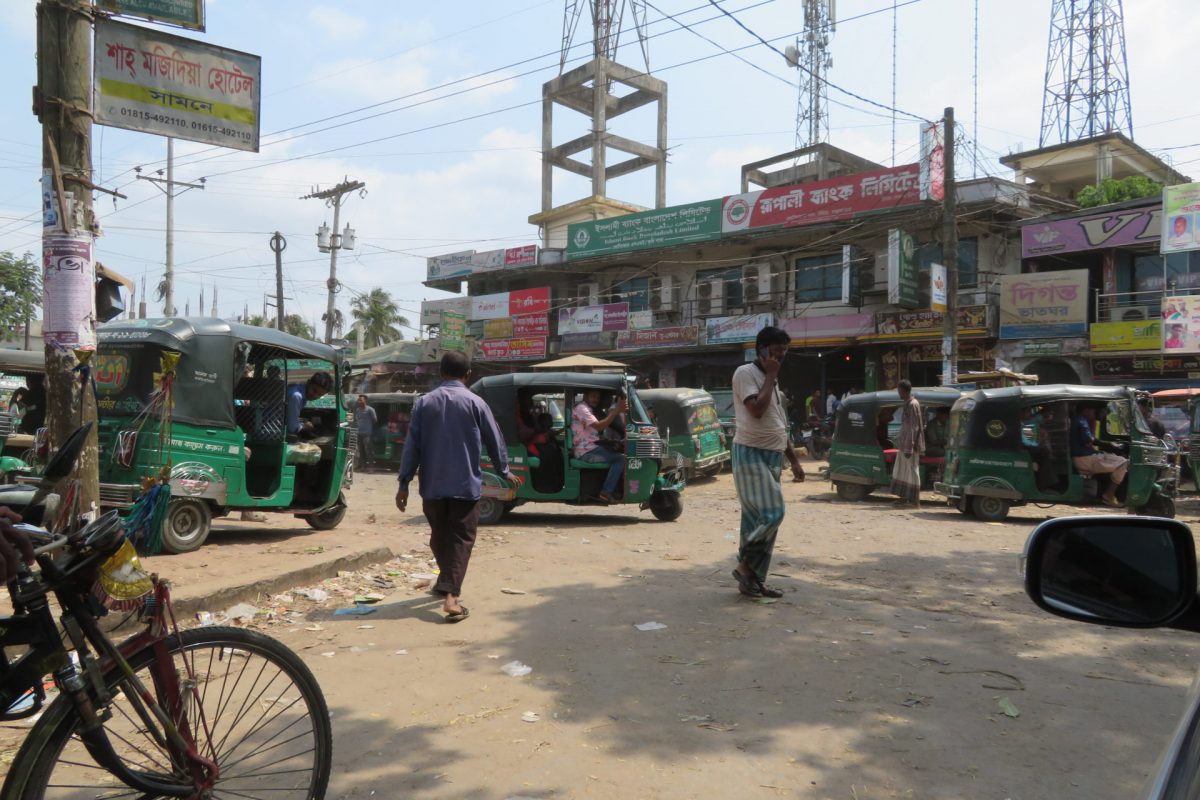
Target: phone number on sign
[[162, 119]]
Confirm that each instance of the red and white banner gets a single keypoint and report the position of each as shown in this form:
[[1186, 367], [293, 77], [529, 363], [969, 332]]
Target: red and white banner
[[529, 301], [490, 306], [526, 256], [822, 201]]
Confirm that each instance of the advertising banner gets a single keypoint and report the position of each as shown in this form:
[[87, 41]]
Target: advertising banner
[[641, 320], [822, 201], [1148, 366], [933, 161], [529, 325], [452, 333], [487, 261], [724, 330], [662, 227], [529, 301], [1095, 232], [657, 337], [1181, 324], [1181, 216], [498, 328], [1044, 304], [431, 310], [970, 318], [451, 265], [154, 82], [490, 306], [180, 13], [833, 326], [526, 256], [852, 260], [903, 290], [582, 342], [68, 291], [594, 319], [1115, 336], [513, 349], [937, 287]]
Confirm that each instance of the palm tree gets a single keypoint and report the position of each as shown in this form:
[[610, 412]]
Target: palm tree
[[378, 317]]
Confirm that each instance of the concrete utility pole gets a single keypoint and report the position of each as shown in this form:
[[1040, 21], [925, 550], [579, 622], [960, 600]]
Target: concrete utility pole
[[334, 198], [278, 245], [168, 188], [62, 103], [950, 257]]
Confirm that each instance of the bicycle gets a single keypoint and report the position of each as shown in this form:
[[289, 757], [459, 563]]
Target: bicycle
[[202, 713]]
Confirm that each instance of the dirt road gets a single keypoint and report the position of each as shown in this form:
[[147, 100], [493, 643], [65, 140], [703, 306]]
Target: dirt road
[[880, 674]]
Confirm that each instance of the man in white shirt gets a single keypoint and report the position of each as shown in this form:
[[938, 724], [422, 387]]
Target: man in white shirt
[[759, 448]]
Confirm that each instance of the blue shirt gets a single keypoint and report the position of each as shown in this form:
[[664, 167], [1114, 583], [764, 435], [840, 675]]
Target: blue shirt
[[365, 419], [297, 396], [1081, 437], [450, 426]]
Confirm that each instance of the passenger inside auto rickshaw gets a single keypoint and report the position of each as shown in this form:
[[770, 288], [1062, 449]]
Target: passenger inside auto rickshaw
[[886, 415], [936, 432], [1036, 422], [535, 429]]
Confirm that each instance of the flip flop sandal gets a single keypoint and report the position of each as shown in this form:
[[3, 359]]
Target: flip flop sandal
[[459, 616], [747, 584]]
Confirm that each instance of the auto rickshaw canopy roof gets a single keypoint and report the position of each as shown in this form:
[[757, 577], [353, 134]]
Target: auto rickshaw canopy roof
[[858, 415], [500, 391], [670, 405], [990, 418], [25, 361], [207, 371]]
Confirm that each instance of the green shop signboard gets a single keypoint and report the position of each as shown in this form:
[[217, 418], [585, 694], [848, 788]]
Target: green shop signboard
[[182, 13], [453, 331], [662, 227]]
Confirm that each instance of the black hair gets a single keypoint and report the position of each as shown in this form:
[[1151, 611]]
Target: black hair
[[771, 335], [905, 385], [321, 380], [455, 364]]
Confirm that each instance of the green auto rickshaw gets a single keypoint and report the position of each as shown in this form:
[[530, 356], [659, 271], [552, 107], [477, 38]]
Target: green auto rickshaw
[[1011, 446], [228, 447], [534, 412], [22, 379], [393, 411], [687, 420], [864, 451]]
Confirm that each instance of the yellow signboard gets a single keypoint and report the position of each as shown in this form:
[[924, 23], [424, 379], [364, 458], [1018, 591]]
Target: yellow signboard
[[1134, 335]]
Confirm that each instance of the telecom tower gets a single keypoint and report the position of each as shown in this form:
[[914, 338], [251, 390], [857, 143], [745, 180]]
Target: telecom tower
[[602, 90], [1087, 74], [814, 60]]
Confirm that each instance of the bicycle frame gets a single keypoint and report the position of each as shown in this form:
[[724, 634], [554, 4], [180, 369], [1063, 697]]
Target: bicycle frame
[[48, 654]]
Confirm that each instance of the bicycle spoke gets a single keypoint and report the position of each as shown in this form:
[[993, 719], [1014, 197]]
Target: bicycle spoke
[[246, 704], [279, 761], [262, 724], [263, 749]]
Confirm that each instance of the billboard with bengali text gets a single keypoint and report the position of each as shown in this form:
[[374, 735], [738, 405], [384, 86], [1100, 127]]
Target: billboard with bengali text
[[1044, 304]]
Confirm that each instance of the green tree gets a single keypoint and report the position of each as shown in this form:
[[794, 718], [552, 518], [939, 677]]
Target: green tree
[[296, 326], [1112, 190], [378, 317], [20, 291], [259, 321]]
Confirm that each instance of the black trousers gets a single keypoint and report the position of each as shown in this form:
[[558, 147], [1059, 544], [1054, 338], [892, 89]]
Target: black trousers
[[452, 524]]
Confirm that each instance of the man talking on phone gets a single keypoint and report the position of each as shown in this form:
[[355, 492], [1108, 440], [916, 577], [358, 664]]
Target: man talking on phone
[[759, 448]]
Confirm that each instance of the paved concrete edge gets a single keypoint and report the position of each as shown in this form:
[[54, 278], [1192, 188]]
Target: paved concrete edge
[[186, 606]]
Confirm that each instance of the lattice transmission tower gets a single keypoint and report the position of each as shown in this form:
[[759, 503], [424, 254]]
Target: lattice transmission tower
[[608, 23], [1087, 74], [814, 60]]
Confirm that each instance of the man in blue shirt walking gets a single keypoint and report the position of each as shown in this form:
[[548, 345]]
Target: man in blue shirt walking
[[449, 428]]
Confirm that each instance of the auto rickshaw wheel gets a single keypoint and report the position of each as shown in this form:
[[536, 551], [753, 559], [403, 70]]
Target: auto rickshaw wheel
[[491, 510], [852, 492], [989, 509], [186, 526], [330, 518], [666, 506], [1158, 506]]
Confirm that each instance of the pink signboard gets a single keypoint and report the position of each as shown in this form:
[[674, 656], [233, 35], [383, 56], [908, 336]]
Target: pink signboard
[[526, 256], [529, 301], [834, 326], [657, 337], [514, 349], [531, 325], [823, 201]]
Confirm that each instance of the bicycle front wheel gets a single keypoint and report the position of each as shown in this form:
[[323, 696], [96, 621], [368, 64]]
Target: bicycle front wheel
[[257, 711]]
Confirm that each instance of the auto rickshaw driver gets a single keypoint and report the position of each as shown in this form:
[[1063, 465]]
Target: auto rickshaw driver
[[1088, 458], [317, 386], [586, 429]]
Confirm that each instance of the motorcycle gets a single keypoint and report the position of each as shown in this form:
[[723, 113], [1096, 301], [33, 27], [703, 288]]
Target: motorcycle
[[819, 436]]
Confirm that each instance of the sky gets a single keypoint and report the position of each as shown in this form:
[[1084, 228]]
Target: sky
[[436, 107]]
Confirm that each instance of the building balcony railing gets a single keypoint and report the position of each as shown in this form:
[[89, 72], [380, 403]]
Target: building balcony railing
[[1129, 306]]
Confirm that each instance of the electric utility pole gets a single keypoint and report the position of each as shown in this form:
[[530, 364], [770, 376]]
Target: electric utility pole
[[167, 186], [62, 103], [950, 257], [332, 243], [278, 245]]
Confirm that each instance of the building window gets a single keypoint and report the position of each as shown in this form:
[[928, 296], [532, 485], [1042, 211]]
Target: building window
[[635, 291], [732, 276], [1182, 272], [819, 278], [968, 264]]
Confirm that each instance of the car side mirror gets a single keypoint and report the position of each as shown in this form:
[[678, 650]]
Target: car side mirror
[[1135, 572]]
